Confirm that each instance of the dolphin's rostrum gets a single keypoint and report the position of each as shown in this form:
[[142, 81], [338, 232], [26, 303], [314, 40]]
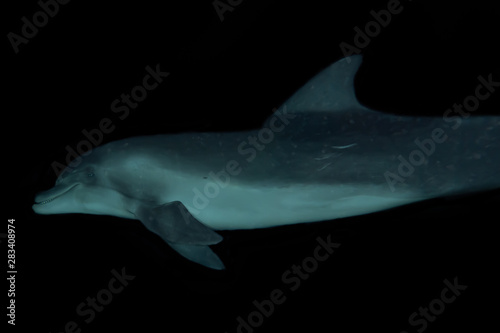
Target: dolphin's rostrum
[[321, 156]]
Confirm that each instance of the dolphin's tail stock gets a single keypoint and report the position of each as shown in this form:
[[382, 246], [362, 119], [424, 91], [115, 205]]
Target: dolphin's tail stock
[[447, 155], [478, 151], [453, 156]]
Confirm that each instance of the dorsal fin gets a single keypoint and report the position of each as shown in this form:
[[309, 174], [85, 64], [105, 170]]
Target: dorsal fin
[[330, 90]]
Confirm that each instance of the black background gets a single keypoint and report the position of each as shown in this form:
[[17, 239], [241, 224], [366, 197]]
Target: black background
[[229, 75]]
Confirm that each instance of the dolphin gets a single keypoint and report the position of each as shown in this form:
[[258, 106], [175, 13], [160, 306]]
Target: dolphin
[[320, 156]]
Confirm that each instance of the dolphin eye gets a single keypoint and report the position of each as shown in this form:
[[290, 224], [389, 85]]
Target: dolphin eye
[[90, 174]]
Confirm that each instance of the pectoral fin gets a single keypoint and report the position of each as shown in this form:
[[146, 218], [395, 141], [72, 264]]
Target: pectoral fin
[[175, 224], [201, 254], [183, 232]]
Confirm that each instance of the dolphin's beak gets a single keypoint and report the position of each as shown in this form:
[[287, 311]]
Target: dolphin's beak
[[45, 197]]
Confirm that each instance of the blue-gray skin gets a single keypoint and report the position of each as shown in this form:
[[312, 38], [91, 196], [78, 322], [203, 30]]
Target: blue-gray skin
[[321, 156]]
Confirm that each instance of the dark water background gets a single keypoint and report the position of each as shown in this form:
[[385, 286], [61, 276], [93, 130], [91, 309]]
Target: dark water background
[[225, 76]]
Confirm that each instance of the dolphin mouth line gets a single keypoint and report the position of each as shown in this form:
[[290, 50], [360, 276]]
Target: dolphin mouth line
[[44, 202]]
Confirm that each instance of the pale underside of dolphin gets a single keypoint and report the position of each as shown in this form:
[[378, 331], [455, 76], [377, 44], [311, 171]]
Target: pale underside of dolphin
[[320, 156]]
